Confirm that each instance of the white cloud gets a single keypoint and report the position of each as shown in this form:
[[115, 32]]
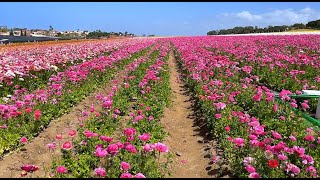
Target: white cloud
[[247, 15], [275, 17]]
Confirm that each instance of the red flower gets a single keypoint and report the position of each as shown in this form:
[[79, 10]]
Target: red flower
[[227, 128], [273, 163], [37, 114]]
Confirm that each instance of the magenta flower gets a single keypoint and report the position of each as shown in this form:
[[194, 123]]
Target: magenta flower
[[239, 141], [144, 137], [24, 140], [66, 146], [100, 152], [161, 147], [250, 169], [100, 172], [112, 149], [61, 169], [125, 166], [254, 175], [29, 168], [126, 175], [139, 175], [276, 135]]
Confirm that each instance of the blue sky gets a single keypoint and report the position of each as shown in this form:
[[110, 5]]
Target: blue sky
[[159, 18]]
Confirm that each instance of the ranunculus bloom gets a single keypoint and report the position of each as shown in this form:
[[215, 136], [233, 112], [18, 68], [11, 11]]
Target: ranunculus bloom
[[72, 133], [126, 175], [309, 137], [29, 168], [106, 138], [112, 149], [51, 145], [61, 169], [100, 152], [227, 128], [217, 116], [139, 175], [250, 169], [254, 175], [66, 146], [125, 166], [239, 141], [24, 140], [161, 147], [276, 135], [59, 136], [37, 114], [100, 172], [144, 137], [273, 163]]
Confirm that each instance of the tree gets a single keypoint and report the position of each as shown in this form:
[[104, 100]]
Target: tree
[[11, 32], [50, 28]]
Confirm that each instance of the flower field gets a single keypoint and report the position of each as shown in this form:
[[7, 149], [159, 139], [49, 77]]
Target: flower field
[[244, 86]]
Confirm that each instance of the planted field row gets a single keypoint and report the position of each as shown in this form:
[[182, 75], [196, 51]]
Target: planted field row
[[261, 137], [124, 138], [27, 113]]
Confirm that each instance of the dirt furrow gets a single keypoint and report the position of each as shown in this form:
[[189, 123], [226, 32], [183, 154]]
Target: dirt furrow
[[188, 138]]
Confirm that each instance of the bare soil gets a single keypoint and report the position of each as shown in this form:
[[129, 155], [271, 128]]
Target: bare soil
[[189, 137]]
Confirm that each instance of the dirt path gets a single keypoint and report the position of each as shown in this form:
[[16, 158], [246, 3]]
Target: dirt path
[[36, 152], [189, 138]]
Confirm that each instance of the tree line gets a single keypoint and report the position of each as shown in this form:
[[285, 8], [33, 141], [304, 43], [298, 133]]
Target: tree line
[[250, 29], [99, 34]]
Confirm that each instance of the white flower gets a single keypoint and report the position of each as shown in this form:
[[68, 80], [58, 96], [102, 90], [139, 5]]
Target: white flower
[[9, 73], [21, 79]]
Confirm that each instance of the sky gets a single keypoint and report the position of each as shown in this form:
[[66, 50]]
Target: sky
[[158, 18]]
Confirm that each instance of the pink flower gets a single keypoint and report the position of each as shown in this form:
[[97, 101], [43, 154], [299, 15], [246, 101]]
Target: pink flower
[[227, 128], [309, 137], [147, 148], [312, 171], [282, 157], [217, 116], [239, 141], [72, 133], [67, 146], [61, 169], [139, 175], [24, 140], [100, 172], [254, 175], [113, 149], [282, 118], [125, 166], [144, 137], [51, 145], [250, 169], [275, 108], [100, 152], [131, 148], [126, 175], [276, 135], [59, 136], [292, 138], [216, 159], [29, 168], [106, 138], [130, 131], [257, 97], [304, 106], [161, 147]]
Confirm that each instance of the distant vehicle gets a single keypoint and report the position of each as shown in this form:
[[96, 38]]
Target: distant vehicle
[[4, 41]]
